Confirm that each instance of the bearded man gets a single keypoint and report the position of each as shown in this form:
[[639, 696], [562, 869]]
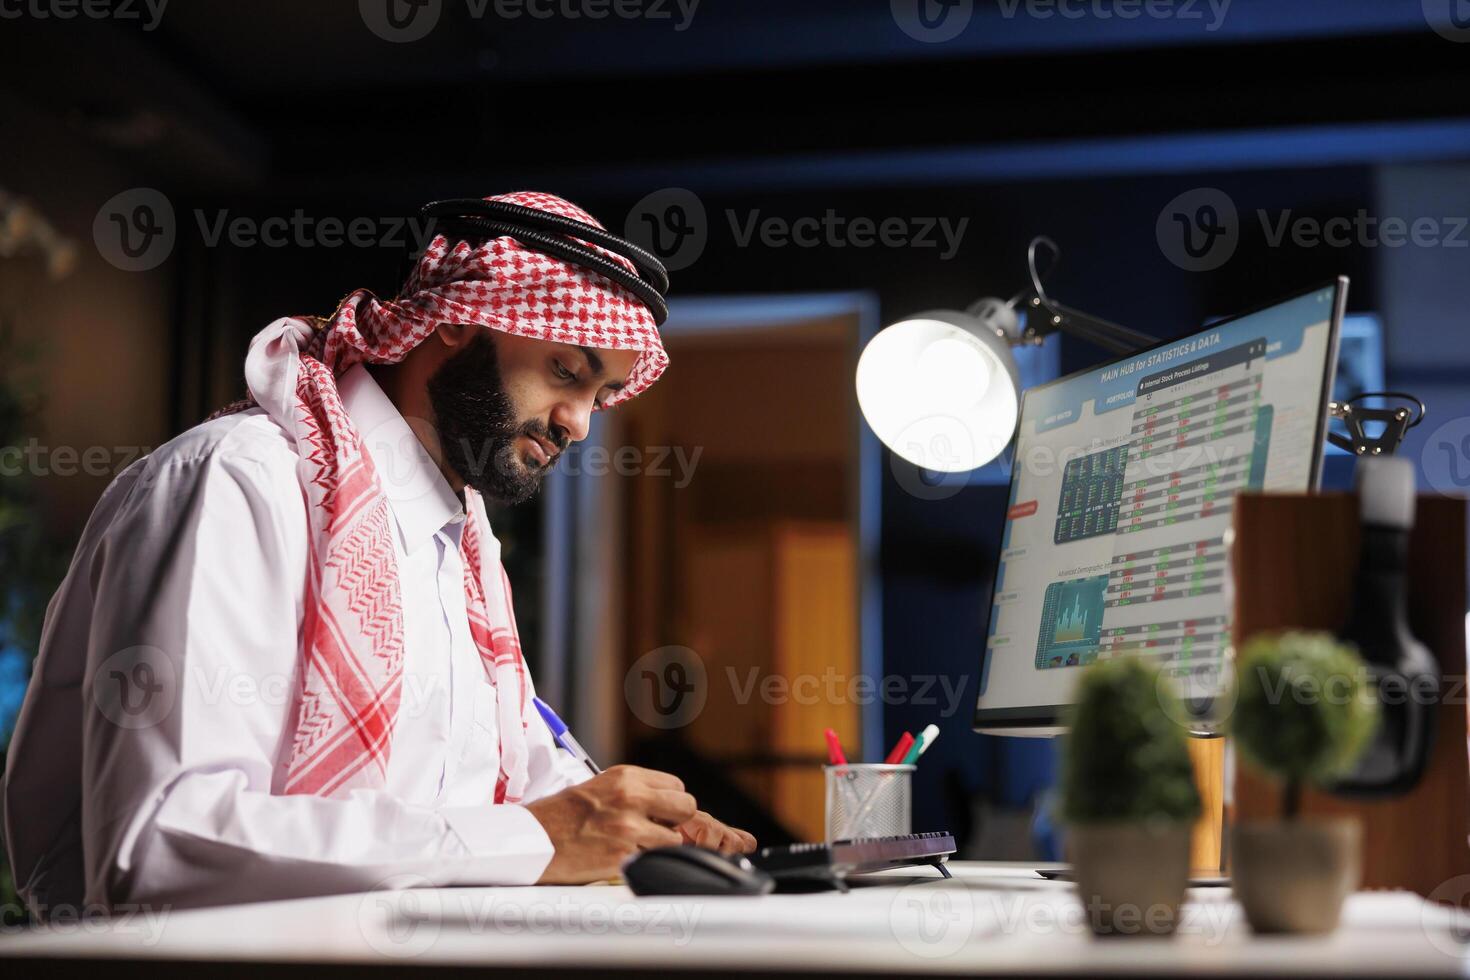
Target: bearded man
[[284, 661]]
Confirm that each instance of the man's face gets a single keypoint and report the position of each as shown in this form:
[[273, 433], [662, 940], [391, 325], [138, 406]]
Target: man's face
[[506, 407]]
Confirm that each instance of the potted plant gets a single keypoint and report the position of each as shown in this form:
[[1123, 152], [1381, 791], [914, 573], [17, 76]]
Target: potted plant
[[1304, 711], [1128, 798]]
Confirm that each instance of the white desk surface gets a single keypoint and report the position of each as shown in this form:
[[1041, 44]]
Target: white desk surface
[[992, 919]]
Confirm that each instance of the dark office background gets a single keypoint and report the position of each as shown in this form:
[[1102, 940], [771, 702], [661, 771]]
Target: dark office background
[[1082, 129]]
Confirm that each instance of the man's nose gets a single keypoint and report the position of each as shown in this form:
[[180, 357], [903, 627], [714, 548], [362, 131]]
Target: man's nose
[[575, 417]]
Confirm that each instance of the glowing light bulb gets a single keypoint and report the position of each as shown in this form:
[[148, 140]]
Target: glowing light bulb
[[940, 390], [956, 373]]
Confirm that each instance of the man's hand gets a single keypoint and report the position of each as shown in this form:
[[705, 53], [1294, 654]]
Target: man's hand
[[706, 831], [596, 824]]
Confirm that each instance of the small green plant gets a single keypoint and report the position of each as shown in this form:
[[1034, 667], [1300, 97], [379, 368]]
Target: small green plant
[[1125, 758], [1305, 709]]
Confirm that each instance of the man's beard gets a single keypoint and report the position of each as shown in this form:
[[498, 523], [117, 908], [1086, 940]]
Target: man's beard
[[477, 425]]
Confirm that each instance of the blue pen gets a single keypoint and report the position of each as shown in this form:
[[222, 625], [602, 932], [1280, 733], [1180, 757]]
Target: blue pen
[[564, 737]]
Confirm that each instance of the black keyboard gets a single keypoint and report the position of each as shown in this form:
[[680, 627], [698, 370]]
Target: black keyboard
[[845, 857]]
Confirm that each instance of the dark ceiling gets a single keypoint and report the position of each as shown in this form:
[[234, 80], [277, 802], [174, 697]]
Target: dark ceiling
[[285, 97]]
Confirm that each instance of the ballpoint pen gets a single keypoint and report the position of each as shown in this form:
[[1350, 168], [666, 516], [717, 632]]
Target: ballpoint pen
[[563, 736]]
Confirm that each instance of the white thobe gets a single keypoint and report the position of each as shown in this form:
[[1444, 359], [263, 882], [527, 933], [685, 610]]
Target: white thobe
[[162, 702]]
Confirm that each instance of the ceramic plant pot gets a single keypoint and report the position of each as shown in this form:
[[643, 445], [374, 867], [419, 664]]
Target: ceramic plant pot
[[1131, 877], [1292, 876]]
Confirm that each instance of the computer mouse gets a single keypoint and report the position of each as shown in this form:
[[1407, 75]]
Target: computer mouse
[[691, 870]]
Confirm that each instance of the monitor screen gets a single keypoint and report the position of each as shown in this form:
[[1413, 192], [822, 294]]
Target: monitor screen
[[1122, 482]]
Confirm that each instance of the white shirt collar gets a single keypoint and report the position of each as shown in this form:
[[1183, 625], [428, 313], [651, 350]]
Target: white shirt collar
[[420, 498]]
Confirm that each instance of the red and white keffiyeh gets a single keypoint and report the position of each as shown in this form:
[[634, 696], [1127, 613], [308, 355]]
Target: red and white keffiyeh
[[351, 675]]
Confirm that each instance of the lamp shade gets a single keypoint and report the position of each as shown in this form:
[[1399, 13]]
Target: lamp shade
[[941, 390]]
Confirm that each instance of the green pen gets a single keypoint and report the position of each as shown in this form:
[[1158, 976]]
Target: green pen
[[926, 738]]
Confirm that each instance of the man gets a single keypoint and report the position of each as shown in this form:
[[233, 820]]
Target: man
[[284, 660]]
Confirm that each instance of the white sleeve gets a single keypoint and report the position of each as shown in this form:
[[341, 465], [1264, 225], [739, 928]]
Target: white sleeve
[[197, 601]]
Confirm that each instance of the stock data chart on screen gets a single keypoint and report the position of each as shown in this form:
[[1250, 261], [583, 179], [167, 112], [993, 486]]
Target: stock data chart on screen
[[1122, 484]]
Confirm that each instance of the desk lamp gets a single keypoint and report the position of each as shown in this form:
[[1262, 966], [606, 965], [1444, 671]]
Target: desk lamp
[[941, 388]]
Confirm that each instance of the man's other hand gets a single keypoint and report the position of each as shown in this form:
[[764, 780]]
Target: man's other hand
[[595, 825]]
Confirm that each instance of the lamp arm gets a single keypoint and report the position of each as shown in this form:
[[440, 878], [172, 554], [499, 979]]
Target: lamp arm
[[1046, 316]]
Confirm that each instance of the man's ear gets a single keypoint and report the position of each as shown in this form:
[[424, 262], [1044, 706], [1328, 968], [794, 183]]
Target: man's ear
[[455, 334]]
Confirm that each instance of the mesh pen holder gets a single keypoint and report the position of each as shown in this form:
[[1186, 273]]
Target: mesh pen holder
[[868, 800]]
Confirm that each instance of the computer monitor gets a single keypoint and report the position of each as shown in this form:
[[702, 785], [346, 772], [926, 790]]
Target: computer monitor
[[1122, 482]]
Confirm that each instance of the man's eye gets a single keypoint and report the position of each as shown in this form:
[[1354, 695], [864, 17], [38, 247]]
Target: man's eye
[[560, 371]]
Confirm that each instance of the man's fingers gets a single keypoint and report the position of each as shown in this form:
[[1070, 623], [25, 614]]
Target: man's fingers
[[671, 807], [703, 831], [651, 777], [735, 841], [706, 831], [649, 834]]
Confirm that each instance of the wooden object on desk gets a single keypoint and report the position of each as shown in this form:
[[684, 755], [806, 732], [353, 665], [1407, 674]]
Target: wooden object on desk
[[1205, 851], [1294, 558]]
